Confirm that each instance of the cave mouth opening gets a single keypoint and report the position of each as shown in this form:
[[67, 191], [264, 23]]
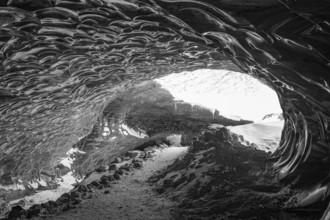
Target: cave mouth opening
[[232, 95]]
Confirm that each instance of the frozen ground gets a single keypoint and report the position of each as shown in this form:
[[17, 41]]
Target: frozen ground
[[131, 197]]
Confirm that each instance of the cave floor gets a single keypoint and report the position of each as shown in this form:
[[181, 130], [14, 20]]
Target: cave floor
[[131, 197]]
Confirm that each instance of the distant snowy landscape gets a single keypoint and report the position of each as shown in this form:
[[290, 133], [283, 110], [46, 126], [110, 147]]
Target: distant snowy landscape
[[234, 95]]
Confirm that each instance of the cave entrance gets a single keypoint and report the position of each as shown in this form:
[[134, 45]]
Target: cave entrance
[[235, 96]]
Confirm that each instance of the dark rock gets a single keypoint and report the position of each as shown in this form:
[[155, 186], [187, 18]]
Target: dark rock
[[65, 195], [61, 170], [50, 207], [33, 210], [6, 179], [75, 194], [95, 183], [17, 212], [45, 205], [132, 154], [113, 167], [118, 160], [208, 136], [99, 187], [63, 200], [65, 207], [121, 169], [240, 138], [116, 176], [111, 178], [187, 139], [106, 192], [101, 169], [105, 180], [120, 172], [126, 158], [75, 201], [82, 188], [138, 164]]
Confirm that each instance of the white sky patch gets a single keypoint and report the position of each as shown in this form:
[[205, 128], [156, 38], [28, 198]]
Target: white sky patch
[[235, 95]]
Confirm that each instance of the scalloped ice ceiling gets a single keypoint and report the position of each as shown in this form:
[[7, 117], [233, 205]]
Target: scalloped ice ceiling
[[64, 60]]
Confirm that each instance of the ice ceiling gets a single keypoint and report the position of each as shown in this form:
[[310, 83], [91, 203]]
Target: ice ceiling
[[64, 60]]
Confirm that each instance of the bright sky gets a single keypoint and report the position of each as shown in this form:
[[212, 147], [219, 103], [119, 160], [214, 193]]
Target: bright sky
[[232, 93]]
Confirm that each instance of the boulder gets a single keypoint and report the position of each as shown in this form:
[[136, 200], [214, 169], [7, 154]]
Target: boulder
[[82, 188], [33, 210], [113, 167], [132, 154], [118, 160], [116, 176], [95, 183], [120, 171], [137, 164], [186, 139], [101, 169]]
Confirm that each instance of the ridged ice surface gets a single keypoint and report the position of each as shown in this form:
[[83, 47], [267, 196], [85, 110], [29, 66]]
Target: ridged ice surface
[[62, 61]]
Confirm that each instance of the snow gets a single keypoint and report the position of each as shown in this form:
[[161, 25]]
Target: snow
[[163, 158], [215, 126], [174, 139], [234, 95], [67, 161], [47, 195], [130, 131], [65, 183], [125, 130], [266, 134]]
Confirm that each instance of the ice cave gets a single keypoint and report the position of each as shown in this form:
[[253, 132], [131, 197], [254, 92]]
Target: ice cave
[[164, 109]]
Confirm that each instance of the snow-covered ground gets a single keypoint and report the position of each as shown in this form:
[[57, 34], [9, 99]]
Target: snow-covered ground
[[66, 183], [234, 95], [266, 134]]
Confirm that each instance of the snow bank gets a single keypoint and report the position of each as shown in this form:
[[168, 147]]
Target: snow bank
[[65, 185], [266, 134]]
